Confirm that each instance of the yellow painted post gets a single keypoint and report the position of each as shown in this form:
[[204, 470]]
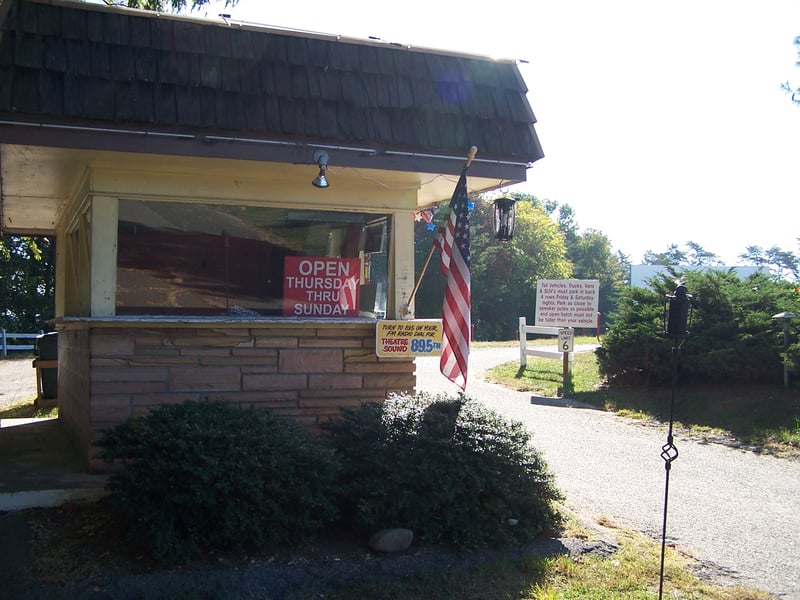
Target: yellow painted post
[[103, 259], [401, 260]]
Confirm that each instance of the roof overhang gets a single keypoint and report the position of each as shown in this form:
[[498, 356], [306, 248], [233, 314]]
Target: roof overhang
[[83, 84], [42, 163]]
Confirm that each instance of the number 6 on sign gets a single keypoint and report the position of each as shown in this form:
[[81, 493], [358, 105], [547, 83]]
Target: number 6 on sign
[[566, 339]]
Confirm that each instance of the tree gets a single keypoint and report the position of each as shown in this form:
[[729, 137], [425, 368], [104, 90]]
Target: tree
[[567, 223], [504, 274], [546, 245], [699, 256], [734, 338], [671, 257], [691, 253], [786, 86], [27, 283], [592, 258], [159, 5], [781, 263]]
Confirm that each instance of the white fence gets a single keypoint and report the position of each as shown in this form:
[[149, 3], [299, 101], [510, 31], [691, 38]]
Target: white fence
[[5, 336], [525, 352]]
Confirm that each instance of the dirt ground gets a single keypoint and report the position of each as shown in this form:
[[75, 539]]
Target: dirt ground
[[17, 380]]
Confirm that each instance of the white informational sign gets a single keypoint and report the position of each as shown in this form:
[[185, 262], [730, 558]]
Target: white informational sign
[[566, 339], [567, 302]]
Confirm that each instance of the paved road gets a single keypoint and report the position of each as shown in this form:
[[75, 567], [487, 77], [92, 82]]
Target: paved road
[[735, 510]]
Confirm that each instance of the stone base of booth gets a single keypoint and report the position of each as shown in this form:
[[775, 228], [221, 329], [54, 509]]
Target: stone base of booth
[[110, 371]]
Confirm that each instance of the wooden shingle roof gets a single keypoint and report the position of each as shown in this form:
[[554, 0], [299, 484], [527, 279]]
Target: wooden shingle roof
[[65, 63]]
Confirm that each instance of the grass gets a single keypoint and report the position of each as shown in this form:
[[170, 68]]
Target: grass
[[766, 417], [631, 573], [756, 415], [27, 409], [544, 376]]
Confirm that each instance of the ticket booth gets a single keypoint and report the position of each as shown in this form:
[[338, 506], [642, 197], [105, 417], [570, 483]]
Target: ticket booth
[[233, 205]]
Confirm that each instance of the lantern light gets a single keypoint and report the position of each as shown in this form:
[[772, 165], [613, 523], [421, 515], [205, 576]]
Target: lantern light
[[677, 313], [504, 218]]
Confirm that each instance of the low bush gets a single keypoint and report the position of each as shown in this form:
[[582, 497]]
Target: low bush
[[449, 469], [210, 476], [733, 336]]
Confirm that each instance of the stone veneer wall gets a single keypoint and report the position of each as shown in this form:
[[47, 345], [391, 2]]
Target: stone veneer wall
[[73, 385], [305, 370]]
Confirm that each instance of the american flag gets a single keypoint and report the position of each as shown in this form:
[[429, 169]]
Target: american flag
[[453, 243]]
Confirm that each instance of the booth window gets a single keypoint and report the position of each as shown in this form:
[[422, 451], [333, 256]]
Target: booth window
[[178, 258]]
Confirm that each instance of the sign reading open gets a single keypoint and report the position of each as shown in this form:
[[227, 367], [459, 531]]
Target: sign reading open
[[321, 286]]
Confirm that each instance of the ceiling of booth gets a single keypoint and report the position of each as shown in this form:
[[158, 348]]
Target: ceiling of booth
[[37, 181]]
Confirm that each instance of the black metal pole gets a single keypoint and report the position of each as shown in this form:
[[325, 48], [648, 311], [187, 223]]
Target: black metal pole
[[676, 321], [669, 453]]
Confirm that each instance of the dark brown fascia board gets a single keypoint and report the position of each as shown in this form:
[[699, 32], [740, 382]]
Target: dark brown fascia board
[[206, 145]]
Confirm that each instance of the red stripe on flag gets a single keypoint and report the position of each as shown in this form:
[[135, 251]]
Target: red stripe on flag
[[454, 242]]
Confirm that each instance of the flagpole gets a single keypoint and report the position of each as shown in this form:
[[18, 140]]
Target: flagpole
[[472, 152]]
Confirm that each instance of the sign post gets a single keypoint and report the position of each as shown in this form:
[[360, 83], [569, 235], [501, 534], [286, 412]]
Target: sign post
[[566, 343]]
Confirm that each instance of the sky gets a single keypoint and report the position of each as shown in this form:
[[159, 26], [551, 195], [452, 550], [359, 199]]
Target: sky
[[661, 122]]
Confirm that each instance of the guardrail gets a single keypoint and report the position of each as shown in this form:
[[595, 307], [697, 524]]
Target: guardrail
[[525, 352], [6, 335]]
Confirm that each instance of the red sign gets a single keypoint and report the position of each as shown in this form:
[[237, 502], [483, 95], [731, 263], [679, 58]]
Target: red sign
[[321, 286]]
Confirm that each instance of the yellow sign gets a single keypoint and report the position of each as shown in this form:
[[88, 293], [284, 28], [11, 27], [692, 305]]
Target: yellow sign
[[408, 338]]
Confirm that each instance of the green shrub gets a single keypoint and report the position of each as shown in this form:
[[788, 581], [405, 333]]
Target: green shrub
[[635, 346], [212, 476], [733, 336], [449, 469]]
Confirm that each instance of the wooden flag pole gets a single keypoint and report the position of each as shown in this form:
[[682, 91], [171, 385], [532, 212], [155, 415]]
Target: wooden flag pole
[[472, 152]]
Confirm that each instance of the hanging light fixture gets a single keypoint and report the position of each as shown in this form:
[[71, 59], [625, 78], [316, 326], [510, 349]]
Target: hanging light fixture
[[321, 159], [677, 313], [504, 218]]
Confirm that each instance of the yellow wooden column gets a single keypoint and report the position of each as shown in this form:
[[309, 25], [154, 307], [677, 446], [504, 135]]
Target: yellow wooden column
[[402, 259], [104, 212]]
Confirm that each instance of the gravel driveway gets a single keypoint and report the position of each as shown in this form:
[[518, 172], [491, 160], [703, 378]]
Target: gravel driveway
[[734, 510], [17, 380]]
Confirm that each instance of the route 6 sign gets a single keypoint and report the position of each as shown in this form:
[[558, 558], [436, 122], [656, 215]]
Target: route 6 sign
[[566, 339]]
